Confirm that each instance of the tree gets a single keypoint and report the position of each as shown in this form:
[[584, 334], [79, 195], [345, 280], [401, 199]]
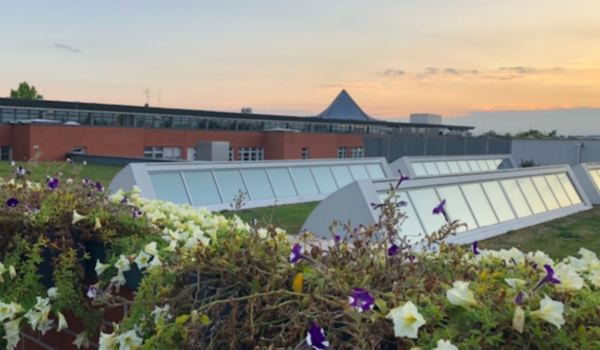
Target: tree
[[536, 134], [26, 92], [492, 133]]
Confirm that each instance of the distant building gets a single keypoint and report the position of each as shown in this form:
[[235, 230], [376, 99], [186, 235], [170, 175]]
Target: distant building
[[424, 118]]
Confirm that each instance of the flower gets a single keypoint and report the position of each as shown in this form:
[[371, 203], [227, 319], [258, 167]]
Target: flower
[[77, 217], [21, 171], [99, 186], [12, 164], [445, 345], [569, 279], [402, 178], [118, 280], [518, 319], [550, 311], [142, 260], [12, 331], [12, 202], [123, 264], [107, 341], [39, 319], [172, 246], [97, 225], [100, 267], [337, 239], [515, 282], [84, 162], [52, 292], [440, 208], [12, 272], [297, 254], [520, 297], [42, 303], [161, 313], [151, 248], [406, 319], [155, 262], [548, 278], [92, 291], [392, 250], [2, 271], [62, 322], [316, 338], [460, 295], [586, 253], [475, 251], [52, 184], [81, 340], [7, 311], [128, 340], [361, 300]]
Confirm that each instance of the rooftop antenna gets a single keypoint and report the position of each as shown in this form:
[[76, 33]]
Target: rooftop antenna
[[147, 92], [159, 92]]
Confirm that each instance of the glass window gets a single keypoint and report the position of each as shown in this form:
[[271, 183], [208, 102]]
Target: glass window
[[342, 152], [202, 187], [419, 169], [282, 182], [431, 168], [499, 202], [474, 166], [568, 186], [483, 165], [375, 171], [454, 168], [425, 200], [558, 190], [479, 204], [356, 152], [169, 187], [516, 198], [230, 183], [411, 226], [342, 175], [443, 168], [457, 207], [491, 164], [358, 172], [595, 177], [191, 153], [498, 162], [258, 184], [324, 179], [304, 181], [304, 152], [464, 167], [532, 196], [545, 192]]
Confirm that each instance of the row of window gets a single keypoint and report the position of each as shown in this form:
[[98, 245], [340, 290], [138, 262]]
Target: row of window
[[5, 153], [459, 167], [355, 152], [245, 154]]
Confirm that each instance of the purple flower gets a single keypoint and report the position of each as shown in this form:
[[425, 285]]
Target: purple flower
[[337, 239], [92, 292], [440, 208], [12, 202], [411, 257], [297, 254], [316, 338], [377, 206], [99, 187], [52, 184], [393, 250], [519, 298], [533, 265], [401, 204], [548, 278], [21, 170], [402, 178], [475, 250], [136, 213], [86, 181], [361, 300], [124, 200]]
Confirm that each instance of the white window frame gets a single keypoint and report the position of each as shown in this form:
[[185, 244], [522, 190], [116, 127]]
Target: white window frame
[[231, 154], [250, 154], [342, 152], [191, 153], [357, 152], [304, 152]]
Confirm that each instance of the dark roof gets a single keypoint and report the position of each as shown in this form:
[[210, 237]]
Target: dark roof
[[97, 107], [344, 108]]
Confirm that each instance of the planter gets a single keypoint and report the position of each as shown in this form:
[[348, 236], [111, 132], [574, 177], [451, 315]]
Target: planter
[[97, 251], [46, 267]]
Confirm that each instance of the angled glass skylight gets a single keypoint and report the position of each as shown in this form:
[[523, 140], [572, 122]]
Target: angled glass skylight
[[489, 203], [447, 165], [215, 185], [588, 175]]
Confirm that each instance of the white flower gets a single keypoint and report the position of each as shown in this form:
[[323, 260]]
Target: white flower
[[569, 279], [12, 272], [7, 311], [62, 322], [151, 248], [515, 282], [142, 260], [77, 217], [123, 264], [135, 189], [519, 319], [540, 258], [100, 267], [42, 303], [155, 262], [69, 181], [107, 341], [550, 311], [39, 319], [12, 335], [595, 278], [81, 340], [172, 246], [460, 295], [53, 293], [161, 312], [84, 162], [586, 253], [118, 280], [2, 271], [97, 224], [407, 320], [128, 340], [445, 345]]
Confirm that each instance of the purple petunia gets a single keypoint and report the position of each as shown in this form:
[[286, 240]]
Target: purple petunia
[[393, 250], [99, 186], [548, 278], [519, 298], [86, 181], [316, 338], [337, 239], [52, 184], [136, 213], [92, 292], [20, 170], [12, 202], [361, 300], [440, 208], [402, 178], [297, 254], [124, 200], [475, 250]]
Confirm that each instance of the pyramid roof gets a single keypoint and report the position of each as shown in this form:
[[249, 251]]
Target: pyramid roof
[[344, 107]]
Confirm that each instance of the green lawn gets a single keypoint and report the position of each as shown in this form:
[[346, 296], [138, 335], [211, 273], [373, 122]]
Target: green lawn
[[102, 173], [288, 217]]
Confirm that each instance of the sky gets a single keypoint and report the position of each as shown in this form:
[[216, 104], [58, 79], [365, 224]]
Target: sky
[[497, 65]]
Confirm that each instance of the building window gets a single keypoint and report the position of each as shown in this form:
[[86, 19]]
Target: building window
[[6, 153], [79, 150], [157, 152], [356, 152], [231, 150], [172, 153], [342, 152], [304, 152], [191, 153], [250, 154]]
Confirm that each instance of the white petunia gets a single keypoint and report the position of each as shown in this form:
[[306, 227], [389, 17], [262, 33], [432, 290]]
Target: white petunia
[[62, 322], [12, 272], [550, 311], [107, 341], [142, 260], [2, 271], [594, 277], [12, 333], [518, 319], [97, 224], [42, 303], [123, 264], [569, 279], [586, 253], [100, 268], [7, 311], [172, 246], [118, 280], [81, 340], [445, 345], [407, 320], [151, 248], [129, 340], [53, 293], [460, 295], [515, 282], [155, 262], [77, 217], [161, 313]]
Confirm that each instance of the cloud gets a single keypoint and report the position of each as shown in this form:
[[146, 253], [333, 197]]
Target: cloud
[[430, 70], [66, 47], [362, 86], [453, 71], [528, 70], [393, 72]]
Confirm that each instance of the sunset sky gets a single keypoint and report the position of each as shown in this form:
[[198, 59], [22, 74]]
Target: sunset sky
[[455, 58]]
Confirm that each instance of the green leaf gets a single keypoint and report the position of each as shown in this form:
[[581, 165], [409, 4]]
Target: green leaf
[[182, 319], [381, 304], [205, 320], [320, 282]]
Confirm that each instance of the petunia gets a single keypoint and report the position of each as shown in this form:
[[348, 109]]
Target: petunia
[[297, 254], [99, 187], [12, 202], [515, 282], [550, 311], [118, 280], [21, 170], [445, 345], [52, 184], [155, 262], [151, 248], [62, 322], [518, 319], [129, 340], [53, 293], [81, 340], [440, 209], [460, 295], [316, 338], [107, 341], [520, 297], [393, 250], [361, 300], [475, 250], [92, 291], [172, 246], [407, 320], [123, 264], [142, 260], [402, 178], [77, 217], [161, 313], [548, 278], [12, 333], [97, 225], [569, 279], [7, 311], [12, 272], [100, 268]]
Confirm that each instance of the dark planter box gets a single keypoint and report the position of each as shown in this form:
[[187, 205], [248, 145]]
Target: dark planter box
[[97, 251], [46, 267]]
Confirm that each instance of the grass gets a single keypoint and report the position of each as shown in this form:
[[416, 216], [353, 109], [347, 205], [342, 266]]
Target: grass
[[102, 173], [287, 217]]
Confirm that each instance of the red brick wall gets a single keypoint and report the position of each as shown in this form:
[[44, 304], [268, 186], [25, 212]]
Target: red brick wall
[[6, 135], [289, 145]]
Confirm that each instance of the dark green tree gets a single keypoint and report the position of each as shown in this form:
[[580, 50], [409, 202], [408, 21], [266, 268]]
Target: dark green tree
[[26, 92]]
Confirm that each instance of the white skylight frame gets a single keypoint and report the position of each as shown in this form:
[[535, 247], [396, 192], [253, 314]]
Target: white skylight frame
[[278, 182], [588, 175], [414, 166], [353, 202]]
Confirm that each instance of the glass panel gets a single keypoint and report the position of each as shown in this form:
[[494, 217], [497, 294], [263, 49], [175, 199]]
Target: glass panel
[[443, 168], [425, 200], [304, 181], [558, 190], [499, 202], [282, 182], [230, 183], [479, 204], [457, 207], [491, 164], [595, 177], [324, 179], [342, 175], [258, 184], [464, 167], [545, 192], [483, 165], [375, 171], [532, 196], [202, 187], [169, 188], [419, 169], [516, 198], [359, 172], [431, 168], [497, 162], [411, 226], [568, 186], [474, 166], [454, 168]]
